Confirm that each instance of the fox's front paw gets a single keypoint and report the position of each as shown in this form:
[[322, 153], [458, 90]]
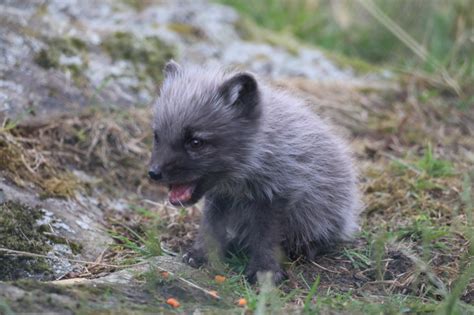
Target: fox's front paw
[[195, 258], [277, 273]]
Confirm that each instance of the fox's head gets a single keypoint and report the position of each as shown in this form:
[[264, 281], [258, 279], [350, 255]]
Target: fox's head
[[204, 127]]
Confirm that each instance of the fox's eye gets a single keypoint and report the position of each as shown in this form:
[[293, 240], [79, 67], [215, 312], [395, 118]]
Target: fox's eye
[[195, 143]]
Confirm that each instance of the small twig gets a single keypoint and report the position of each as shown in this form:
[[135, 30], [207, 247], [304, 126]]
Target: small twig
[[27, 254], [167, 251], [324, 268], [394, 158], [101, 256], [393, 282], [191, 284], [28, 167], [187, 282], [154, 203]]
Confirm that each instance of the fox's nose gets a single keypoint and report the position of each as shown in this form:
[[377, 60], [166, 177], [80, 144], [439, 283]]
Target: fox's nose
[[155, 173]]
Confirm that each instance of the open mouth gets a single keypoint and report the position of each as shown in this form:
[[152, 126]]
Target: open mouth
[[182, 194]]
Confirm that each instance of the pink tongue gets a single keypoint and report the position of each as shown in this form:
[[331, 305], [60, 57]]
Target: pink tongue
[[180, 193]]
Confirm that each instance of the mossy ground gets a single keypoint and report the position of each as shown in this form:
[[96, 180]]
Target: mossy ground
[[40, 297], [19, 230]]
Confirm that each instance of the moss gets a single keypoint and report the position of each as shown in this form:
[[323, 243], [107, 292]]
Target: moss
[[76, 248], [250, 31], [18, 231], [68, 46], [5, 307], [47, 59], [41, 297], [148, 55], [185, 30], [84, 299], [138, 5], [31, 285], [357, 64], [10, 160], [62, 186]]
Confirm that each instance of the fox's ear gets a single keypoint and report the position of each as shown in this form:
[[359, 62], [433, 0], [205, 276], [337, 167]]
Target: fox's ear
[[171, 68], [241, 92]]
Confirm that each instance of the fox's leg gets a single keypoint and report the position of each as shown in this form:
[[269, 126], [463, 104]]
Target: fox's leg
[[212, 234], [264, 242]]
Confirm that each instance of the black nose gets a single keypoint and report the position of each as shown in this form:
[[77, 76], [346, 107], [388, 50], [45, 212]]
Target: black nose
[[155, 174]]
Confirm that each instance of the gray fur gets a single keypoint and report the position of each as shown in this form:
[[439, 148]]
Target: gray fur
[[276, 176]]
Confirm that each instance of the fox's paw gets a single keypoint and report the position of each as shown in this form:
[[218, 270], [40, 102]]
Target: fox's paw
[[277, 273], [195, 258]]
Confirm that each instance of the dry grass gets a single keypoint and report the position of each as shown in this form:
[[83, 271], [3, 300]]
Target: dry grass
[[26, 164], [107, 146], [413, 150]]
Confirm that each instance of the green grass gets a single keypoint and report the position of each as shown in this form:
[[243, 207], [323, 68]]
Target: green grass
[[146, 241], [442, 28], [428, 167], [358, 259], [308, 306], [434, 167], [147, 246], [451, 304], [5, 308]]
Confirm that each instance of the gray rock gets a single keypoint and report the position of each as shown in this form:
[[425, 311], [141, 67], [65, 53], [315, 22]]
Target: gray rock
[[202, 32], [78, 221]]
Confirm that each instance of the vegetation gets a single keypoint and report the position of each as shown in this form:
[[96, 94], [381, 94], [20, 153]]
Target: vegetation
[[19, 230], [68, 47], [408, 35]]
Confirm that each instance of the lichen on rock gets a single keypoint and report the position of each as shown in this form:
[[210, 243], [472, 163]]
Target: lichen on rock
[[148, 55], [65, 53], [19, 231], [32, 230]]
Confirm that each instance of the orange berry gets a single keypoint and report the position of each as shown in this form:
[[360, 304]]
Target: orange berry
[[173, 302], [219, 279], [242, 302]]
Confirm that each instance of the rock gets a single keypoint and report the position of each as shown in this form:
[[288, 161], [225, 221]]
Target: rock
[[137, 289], [66, 56], [65, 228]]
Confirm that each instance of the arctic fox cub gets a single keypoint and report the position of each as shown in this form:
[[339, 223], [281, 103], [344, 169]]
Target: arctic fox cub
[[274, 176]]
